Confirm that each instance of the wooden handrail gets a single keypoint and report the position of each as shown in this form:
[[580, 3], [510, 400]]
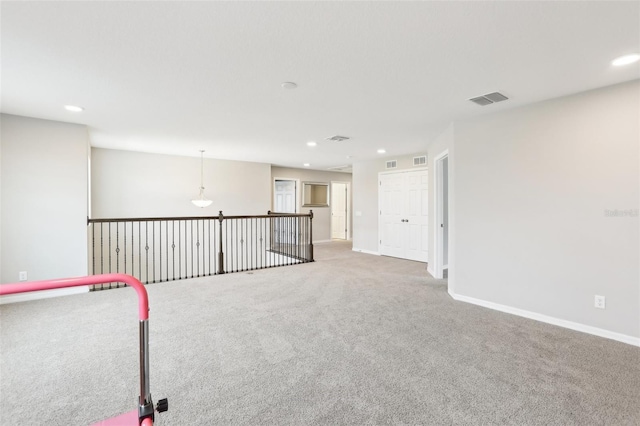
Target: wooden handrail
[[217, 217]]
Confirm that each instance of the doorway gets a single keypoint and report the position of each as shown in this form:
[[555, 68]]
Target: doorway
[[340, 210], [441, 257]]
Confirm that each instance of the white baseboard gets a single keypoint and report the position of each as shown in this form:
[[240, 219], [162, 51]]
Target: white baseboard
[[46, 294], [375, 253], [432, 272], [600, 332], [322, 241]]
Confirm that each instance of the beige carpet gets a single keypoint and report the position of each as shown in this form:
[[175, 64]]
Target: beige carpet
[[350, 339]]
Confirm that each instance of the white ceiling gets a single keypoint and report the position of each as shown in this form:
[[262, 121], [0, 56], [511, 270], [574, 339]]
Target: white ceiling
[[177, 77]]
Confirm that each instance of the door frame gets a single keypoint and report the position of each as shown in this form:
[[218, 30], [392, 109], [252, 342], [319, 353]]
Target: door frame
[[348, 209], [273, 193], [438, 235]]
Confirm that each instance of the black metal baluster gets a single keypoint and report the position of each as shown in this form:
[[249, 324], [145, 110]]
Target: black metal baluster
[[191, 244], [198, 248], [220, 253], [290, 236], [117, 250], [243, 244], [133, 257], [93, 249], [226, 249], [173, 248], [166, 228], [109, 251], [101, 251], [153, 249], [124, 245], [146, 249], [140, 251]]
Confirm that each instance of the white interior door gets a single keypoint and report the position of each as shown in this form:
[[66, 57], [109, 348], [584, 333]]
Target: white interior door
[[284, 196], [391, 215], [403, 226], [339, 211], [416, 216]]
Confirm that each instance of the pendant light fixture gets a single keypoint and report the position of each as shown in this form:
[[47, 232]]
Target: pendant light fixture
[[201, 201]]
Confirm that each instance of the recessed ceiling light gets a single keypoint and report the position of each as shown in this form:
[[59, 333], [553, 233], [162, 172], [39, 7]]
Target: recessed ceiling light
[[311, 143], [73, 108], [289, 85], [625, 60], [381, 151], [306, 164]]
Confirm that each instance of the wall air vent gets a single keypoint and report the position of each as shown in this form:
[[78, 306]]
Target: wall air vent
[[338, 138], [420, 161], [489, 98], [392, 164]]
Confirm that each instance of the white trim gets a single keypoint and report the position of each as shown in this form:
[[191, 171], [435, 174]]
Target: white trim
[[430, 270], [375, 253], [46, 294], [413, 169], [438, 271], [600, 332]]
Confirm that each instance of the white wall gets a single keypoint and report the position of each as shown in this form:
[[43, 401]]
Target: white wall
[[365, 199], [135, 184], [44, 198], [532, 186], [321, 215]]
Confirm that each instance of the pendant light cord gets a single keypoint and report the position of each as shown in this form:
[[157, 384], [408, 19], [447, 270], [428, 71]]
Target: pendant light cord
[[201, 172]]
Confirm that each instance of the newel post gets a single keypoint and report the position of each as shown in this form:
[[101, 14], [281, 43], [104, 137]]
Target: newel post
[[311, 235], [220, 254]]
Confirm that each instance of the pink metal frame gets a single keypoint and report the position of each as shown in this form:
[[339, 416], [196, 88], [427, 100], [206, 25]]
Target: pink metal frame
[[143, 300], [143, 312]]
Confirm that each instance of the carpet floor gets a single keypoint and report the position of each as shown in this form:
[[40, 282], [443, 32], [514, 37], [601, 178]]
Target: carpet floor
[[351, 339]]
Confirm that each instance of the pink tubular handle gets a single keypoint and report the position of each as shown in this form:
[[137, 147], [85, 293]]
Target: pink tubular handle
[[143, 300]]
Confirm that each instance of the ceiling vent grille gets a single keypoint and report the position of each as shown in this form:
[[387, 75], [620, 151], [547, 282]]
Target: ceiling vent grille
[[489, 98], [392, 164], [338, 138], [420, 161]]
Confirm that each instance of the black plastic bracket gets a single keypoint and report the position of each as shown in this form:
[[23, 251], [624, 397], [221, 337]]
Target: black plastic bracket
[[163, 405]]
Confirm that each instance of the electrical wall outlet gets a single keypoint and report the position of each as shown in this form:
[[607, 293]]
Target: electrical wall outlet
[[599, 302], [22, 276]]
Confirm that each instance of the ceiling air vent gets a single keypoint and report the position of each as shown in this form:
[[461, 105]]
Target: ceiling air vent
[[338, 138], [420, 161], [392, 164], [489, 99]]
